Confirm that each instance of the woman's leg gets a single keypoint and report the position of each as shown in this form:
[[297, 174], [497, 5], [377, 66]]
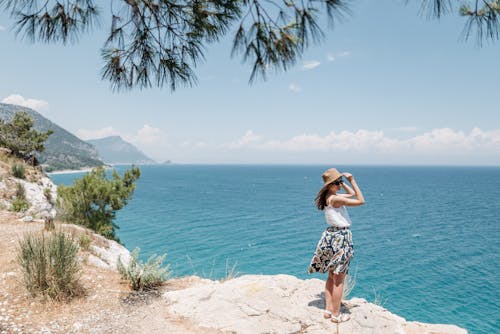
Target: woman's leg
[[329, 292], [338, 289]]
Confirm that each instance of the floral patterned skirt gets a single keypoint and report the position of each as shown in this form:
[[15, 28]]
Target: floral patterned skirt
[[334, 252]]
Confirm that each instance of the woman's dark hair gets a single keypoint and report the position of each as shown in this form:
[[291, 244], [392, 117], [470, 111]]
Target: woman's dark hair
[[320, 199]]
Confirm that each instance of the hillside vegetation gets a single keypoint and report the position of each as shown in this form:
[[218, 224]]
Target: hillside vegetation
[[63, 150]]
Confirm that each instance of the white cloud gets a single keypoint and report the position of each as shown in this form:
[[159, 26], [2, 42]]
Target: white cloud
[[150, 140], [310, 64], [97, 134], [457, 142], [442, 141], [2, 28], [147, 135], [247, 139], [344, 54], [294, 88], [331, 56], [38, 105], [361, 140], [201, 144]]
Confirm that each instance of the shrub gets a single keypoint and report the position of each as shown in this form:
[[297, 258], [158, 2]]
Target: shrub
[[93, 200], [230, 271], [20, 204], [84, 241], [19, 171], [20, 191], [49, 264], [349, 284], [144, 276], [47, 192]]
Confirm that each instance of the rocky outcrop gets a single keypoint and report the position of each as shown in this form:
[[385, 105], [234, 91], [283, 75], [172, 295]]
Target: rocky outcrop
[[284, 304], [107, 257], [102, 253], [41, 196]]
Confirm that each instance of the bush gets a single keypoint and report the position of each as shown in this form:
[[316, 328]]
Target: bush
[[84, 241], [144, 276], [349, 284], [19, 171], [20, 204], [93, 200], [50, 265], [47, 192]]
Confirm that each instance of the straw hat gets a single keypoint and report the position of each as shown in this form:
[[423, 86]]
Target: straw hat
[[331, 175]]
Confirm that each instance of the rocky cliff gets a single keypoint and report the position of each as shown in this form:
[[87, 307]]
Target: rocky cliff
[[284, 304]]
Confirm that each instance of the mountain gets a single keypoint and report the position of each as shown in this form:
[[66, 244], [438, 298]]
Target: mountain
[[63, 150], [115, 150]]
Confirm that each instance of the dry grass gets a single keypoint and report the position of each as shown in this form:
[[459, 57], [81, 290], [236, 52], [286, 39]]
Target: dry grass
[[102, 309], [31, 174]]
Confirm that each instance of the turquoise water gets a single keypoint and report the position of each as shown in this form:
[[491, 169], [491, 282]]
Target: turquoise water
[[426, 242]]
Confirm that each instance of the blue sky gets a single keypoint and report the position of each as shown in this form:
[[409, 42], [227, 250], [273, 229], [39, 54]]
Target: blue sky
[[387, 86]]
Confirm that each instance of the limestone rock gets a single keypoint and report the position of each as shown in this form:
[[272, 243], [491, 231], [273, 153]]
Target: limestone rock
[[109, 254], [104, 253], [40, 206], [283, 304]]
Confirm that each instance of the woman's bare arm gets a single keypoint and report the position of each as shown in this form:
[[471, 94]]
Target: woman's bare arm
[[338, 201], [348, 190]]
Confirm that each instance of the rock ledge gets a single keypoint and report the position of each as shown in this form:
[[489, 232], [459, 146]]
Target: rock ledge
[[283, 304]]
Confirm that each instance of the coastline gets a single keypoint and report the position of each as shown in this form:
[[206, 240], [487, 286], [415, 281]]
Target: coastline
[[245, 304], [70, 171]]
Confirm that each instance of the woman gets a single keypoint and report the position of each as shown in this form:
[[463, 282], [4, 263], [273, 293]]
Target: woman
[[335, 248]]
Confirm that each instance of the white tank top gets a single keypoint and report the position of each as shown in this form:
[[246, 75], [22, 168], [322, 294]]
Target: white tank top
[[338, 217]]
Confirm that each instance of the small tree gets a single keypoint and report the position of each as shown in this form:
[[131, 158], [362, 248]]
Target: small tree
[[93, 200], [20, 137]]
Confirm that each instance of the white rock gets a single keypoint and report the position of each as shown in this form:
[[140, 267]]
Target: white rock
[[35, 194], [283, 304], [109, 255], [97, 262], [77, 326]]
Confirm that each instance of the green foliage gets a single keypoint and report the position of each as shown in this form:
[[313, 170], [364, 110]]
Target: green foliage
[[20, 203], [18, 170], [20, 138], [20, 191], [49, 264], [158, 43], [84, 241], [144, 276], [93, 200], [47, 192]]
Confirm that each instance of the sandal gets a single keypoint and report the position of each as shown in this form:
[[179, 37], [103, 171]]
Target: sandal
[[327, 314], [342, 317]]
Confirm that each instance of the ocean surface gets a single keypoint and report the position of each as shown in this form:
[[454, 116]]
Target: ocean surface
[[427, 241]]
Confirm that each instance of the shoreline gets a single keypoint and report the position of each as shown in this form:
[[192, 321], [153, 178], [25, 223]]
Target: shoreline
[[69, 171]]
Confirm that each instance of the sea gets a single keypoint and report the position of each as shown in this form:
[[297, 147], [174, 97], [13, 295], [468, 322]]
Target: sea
[[427, 241]]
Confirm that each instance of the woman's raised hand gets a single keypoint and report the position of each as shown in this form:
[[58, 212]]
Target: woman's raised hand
[[347, 176]]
